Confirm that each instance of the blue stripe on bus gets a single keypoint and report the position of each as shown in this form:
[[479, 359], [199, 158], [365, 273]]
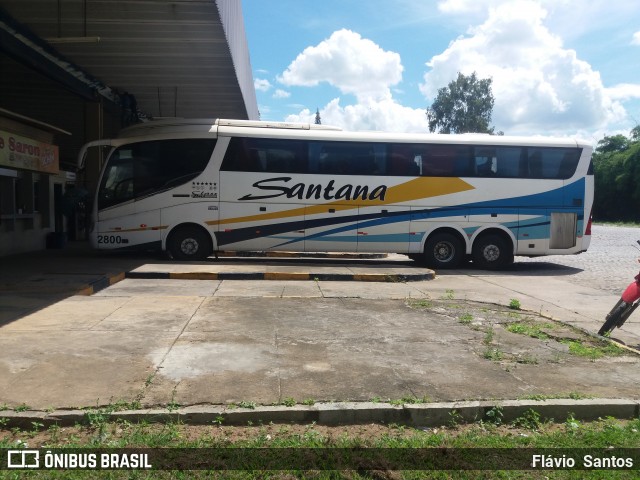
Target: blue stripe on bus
[[377, 238], [536, 204]]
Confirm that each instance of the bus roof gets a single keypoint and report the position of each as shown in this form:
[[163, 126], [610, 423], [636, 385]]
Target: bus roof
[[228, 127], [201, 125]]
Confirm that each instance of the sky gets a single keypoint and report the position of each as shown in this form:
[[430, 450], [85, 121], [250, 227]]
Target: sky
[[558, 67]]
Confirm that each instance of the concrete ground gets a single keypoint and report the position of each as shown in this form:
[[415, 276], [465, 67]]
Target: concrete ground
[[76, 333]]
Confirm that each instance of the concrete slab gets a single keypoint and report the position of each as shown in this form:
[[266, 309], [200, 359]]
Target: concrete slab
[[250, 288], [73, 314], [301, 289], [152, 314], [371, 290], [156, 287], [84, 368]]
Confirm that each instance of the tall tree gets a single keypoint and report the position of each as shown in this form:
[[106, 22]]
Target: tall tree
[[616, 162], [318, 120], [465, 105], [616, 143]]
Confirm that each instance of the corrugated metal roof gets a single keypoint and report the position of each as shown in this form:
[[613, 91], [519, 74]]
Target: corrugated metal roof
[[173, 56]]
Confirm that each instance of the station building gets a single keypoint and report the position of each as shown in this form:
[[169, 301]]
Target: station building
[[72, 71]]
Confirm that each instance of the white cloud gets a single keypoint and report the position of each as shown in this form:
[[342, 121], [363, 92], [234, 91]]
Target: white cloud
[[279, 93], [624, 91], [357, 66], [347, 61], [382, 115], [635, 40], [538, 85], [262, 84], [465, 6]]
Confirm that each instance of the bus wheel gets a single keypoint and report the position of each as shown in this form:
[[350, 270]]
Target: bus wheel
[[189, 243], [443, 250], [492, 252]]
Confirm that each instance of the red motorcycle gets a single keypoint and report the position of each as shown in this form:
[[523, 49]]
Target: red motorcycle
[[624, 308]]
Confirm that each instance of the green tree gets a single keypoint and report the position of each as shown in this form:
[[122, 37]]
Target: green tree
[[318, 119], [616, 164], [617, 143], [465, 105]]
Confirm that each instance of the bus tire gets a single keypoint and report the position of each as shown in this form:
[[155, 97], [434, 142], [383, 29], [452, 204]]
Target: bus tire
[[492, 252], [189, 243], [443, 250]]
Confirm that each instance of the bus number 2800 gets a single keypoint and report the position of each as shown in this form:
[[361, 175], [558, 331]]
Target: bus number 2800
[[111, 239]]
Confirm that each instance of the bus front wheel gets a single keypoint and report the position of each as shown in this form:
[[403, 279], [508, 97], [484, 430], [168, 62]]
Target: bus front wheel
[[189, 243], [443, 250], [492, 252]]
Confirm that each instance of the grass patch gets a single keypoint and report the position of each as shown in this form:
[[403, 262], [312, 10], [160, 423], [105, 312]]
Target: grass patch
[[410, 400], [593, 351], [526, 359], [493, 354], [571, 395], [488, 336], [534, 330], [528, 431], [423, 303], [448, 295]]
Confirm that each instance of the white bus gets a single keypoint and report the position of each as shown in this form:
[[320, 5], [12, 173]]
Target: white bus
[[195, 187]]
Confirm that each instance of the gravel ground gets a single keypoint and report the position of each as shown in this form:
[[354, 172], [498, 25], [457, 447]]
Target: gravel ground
[[609, 264]]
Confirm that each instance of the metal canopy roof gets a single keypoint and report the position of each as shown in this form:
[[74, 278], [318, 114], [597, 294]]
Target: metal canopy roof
[[179, 58]]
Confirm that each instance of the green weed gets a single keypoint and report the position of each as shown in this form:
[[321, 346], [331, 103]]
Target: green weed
[[530, 420], [594, 352], [529, 329]]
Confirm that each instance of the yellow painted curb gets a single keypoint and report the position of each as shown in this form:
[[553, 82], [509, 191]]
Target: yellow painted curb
[[373, 277], [116, 278], [87, 291], [286, 276], [194, 276]]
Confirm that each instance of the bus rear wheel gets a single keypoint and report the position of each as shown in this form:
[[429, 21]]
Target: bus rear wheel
[[189, 243], [443, 250], [492, 252]]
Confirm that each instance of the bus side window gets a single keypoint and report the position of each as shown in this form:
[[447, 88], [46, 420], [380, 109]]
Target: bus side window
[[236, 158], [485, 162], [569, 164], [509, 162], [141, 169], [402, 161], [535, 164], [553, 163], [282, 156], [463, 161], [439, 161]]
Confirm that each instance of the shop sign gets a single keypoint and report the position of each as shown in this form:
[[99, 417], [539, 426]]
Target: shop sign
[[25, 153]]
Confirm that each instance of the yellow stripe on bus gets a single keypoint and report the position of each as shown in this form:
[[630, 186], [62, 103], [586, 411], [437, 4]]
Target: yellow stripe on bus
[[418, 188]]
